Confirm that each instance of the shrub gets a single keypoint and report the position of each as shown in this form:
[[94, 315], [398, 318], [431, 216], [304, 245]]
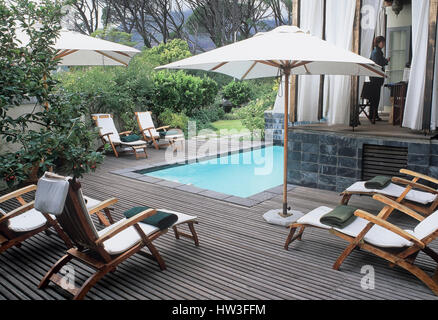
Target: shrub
[[61, 140], [171, 51], [180, 92], [253, 114], [174, 120], [237, 92]]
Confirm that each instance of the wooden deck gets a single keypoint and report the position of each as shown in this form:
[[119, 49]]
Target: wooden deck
[[240, 256]]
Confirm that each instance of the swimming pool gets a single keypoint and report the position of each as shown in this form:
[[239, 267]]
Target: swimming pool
[[242, 174]]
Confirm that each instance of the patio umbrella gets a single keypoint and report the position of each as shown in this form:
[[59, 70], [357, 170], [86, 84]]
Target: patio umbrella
[[285, 50], [76, 49]]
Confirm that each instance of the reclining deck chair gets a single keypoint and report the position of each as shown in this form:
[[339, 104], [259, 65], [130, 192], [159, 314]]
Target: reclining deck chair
[[25, 221], [109, 134], [378, 236], [156, 135], [424, 200], [104, 250]]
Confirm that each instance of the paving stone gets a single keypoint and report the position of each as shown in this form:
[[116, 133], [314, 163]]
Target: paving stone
[[214, 194], [190, 188], [169, 184], [242, 201], [263, 196]]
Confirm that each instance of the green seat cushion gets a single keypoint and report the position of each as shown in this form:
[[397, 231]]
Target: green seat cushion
[[169, 133], [378, 182], [161, 220], [130, 138], [340, 217]]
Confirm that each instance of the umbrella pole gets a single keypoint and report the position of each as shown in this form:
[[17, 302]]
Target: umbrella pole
[[285, 148]]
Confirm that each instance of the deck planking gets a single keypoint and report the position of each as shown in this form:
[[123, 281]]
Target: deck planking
[[240, 256]]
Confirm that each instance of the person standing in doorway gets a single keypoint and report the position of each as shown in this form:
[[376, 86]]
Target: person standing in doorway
[[378, 57]]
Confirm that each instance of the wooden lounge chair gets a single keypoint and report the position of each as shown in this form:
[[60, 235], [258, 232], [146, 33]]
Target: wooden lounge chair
[[25, 221], [109, 134], [104, 250], [152, 134], [420, 198], [378, 236]]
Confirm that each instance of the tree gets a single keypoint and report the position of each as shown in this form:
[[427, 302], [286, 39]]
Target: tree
[[59, 139], [155, 20], [220, 18], [281, 11], [84, 15], [114, 35]]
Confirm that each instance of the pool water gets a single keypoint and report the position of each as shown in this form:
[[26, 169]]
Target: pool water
[[242, 174]]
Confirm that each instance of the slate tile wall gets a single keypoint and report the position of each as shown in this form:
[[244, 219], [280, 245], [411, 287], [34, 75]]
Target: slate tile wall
[[333, 161]]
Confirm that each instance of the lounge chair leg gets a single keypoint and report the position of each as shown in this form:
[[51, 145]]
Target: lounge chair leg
[[108, 215], [344, 256], [194, 234], [62, 235], [345, 199], [289, 238], [156, 255], [431, 282], [55, 269], [102, 219], [89, 283], [431, 254], [175, 230], [300, 234]]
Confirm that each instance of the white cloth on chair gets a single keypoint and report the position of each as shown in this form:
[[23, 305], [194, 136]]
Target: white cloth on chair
[[394, 190], [50, 195]]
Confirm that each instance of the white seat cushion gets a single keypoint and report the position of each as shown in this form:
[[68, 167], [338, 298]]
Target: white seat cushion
[[106, 125], [134, 143], [312, 218], [90, 202], [427, 226], [395, 190], [130, 237], [27, 221], [377, 236], [145, 122]]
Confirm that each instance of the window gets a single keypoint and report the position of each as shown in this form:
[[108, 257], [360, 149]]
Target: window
[[398, 49]]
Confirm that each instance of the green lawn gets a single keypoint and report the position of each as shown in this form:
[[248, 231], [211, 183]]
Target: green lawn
[[228, 125]]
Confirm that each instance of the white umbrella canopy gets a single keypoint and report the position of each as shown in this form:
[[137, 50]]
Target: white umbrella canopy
[[287, 46], [285, 50], [76, 49]]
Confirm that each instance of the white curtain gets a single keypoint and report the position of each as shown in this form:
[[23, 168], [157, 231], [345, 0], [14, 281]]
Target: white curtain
[[370, 27], [413, 116], [339, 31], [434, 120], [312, 20]]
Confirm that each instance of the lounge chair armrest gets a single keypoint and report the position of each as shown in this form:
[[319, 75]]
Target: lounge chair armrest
[[18, 193], [125, 133], [162, 128], [17, 211], [128, 223], [106, 134], [389, 226], [419, 175], [103, 205], [414, 185], [398, 206], [148, 129]]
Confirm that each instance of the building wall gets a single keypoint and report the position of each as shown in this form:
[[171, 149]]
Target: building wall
[[333, 161]]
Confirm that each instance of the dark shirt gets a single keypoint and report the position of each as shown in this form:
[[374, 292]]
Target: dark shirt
[[378, 57]]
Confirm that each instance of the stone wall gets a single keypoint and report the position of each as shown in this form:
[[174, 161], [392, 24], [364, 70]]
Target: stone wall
[[274, 126], [333, 161]]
